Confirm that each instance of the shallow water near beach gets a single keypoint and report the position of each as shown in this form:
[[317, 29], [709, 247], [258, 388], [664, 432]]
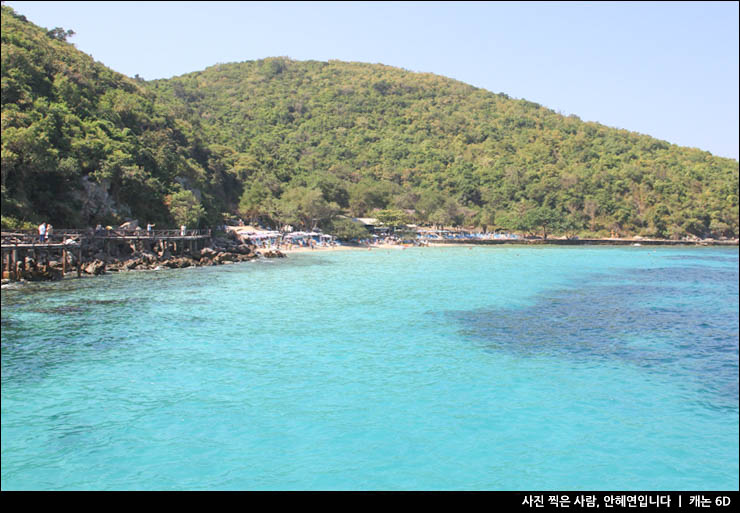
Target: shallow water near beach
[[491, 368]]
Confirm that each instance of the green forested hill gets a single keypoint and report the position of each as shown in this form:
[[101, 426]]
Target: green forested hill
[[83, 144], [300, 142]]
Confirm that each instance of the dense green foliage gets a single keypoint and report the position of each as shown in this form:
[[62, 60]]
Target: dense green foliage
[[82, 144], [279, 141], [374, 137]]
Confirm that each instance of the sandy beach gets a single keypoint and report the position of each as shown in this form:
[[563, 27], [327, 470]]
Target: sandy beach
[[304, 249]]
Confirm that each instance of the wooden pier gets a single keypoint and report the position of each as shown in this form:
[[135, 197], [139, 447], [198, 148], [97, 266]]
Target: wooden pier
[[174, 240], [23, 253]]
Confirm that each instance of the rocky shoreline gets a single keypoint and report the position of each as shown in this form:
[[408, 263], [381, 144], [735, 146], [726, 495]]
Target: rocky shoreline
[[124, 257], [585, 242]]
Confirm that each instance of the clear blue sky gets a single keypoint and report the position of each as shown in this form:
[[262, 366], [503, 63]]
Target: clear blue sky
[[667, 69]]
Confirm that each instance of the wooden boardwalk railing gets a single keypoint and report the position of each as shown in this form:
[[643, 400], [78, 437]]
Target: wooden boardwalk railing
[[60, 235]]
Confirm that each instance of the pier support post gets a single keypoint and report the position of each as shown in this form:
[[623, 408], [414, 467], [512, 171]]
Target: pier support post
[[6, 264], [22, 264]]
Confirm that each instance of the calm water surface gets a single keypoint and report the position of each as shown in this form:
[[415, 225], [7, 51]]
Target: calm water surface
[[502, 368]]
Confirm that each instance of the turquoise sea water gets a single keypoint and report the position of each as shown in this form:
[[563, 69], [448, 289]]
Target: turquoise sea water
[[500, 368]]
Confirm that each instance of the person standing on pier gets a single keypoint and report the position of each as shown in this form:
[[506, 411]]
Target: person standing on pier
[[149, 227], [182, 231], [49, 229], [42, 232]]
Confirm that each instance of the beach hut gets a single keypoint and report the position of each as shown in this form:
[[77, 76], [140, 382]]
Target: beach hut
[[261, 238]]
